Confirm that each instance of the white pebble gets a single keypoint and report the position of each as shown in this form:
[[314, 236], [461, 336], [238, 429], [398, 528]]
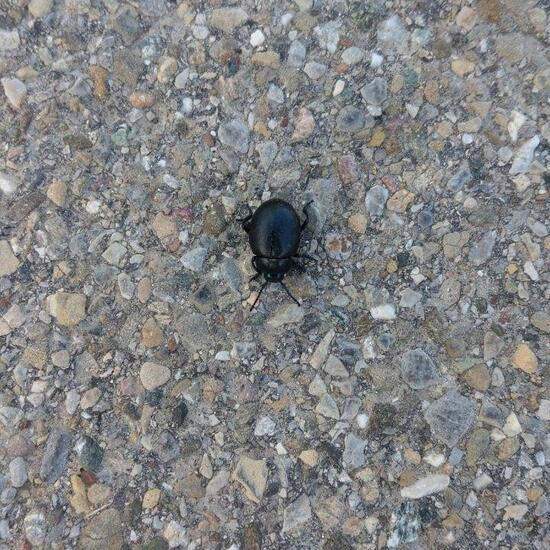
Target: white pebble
[[338, 87], [257, 38]]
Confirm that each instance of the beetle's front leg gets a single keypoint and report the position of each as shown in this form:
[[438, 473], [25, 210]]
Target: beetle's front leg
[[255, 266], [244, 221], [306, 221]]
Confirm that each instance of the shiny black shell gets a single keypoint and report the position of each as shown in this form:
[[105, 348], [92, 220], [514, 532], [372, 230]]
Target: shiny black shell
[[274, 230]]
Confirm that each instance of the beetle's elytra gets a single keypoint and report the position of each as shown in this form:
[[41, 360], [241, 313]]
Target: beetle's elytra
[[274, 232]]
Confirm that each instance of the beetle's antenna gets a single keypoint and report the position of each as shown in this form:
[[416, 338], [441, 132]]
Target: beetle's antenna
[[259, 294], [288, 292]]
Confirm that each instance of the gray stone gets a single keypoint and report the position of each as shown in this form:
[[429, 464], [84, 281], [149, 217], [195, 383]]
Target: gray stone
[[335, 367], [35, 527], [90, 454], [315, 70], [267, 152], [234, 134], [18, 472], [450, 417], [264, 426], [483, 249], [327, 407], [460, 178], [393, 35], [125, 286], [231, 273], [350, 120], [56, 454], [434, 483], [352, 55], [275, 94], [15, 91], [354, 452], [9, 40], [194, 259], [252, 475], [524, 156], [328, 35], [407, 525], [376, 92], [286, 314], [296, 54], [418, 370], [375, 200], [228, 19], [105, 530], [296, 514], [153, 375]]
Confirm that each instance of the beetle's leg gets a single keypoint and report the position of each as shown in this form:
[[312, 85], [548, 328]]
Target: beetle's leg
[[288, 292], [254, 277], [244, 221], [306, 256], [306, 221], [258, 297]]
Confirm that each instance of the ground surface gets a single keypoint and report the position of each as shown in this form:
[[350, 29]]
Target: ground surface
[[406, 403]]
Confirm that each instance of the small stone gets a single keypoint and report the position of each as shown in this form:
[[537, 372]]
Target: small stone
[[524, 156], [384, 312], [296, 54], [252, 475], [320, 354], [90, 454], [72, 401], [194, 259], [57, 192], [275, 94], [9, 40], [418, 370], [462, 67], [409, 298], [327, 407], [450, 417], [315, 70], [358, 223], [515, 512], [393, 35], [18, 472], [14, 316], [153, 375], [114, 254], [40, 8], [350, 120], [234, 134], [35, 528], [176, 535], [56, 454], [428, 485], [228, 19], [512, 427], [69, 309], [354, 452], [328, 35], [105, 530], [205, 468], [400, 201], [353, 55], [543, 411], [466, 18], [337, 247], [269, 59], [453, 243], [297, 514], [8, 185], [376, 92], [15, 91], [99, 76], [375, 200], [304, 125], [90, 398], [407, 525], [151, 334], [257, 38], [168, 67], [141, 100], [335, 367], [286, 314], [265, 426], [163, 226], [347, 169], [478, 378], [8, 261], [524, 359], [310, 457], [460, 178], [540, 320], [377, 138], [492, 345], [482, 482], [125, 286], [151, 499], [483, 249], [180, 413]]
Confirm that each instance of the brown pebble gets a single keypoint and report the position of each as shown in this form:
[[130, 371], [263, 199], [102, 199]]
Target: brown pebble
[[141, 100]]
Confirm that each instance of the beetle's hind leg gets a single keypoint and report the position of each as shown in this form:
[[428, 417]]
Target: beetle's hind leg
[[258, 272], [244, 221], [306, 221], [288, 292]]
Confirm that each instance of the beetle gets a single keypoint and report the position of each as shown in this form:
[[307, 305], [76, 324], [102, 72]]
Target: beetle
[[274, 232]]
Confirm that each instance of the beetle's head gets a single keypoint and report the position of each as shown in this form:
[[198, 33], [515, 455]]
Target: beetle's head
[[274, 277]]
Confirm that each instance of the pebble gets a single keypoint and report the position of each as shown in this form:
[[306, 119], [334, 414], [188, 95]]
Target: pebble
[[296, 54], [228, 19], [56, 454], [151, 334], [338, 247], [265, 426], [194, 259], [524, 156], [176, 535], [512, 427], [153, 375], [350, 119], [252, 476], [234, 134], [407, 525], [524, 359], [327, 407], [482, 250], [354, 452], [286, 314], [384, 312], [151, 499], [376, 92], [418, 370], [40, 8], [543, 411], [352, 55], [348, 171], [257, 38], [35, 527], [400, 201], [297, 514], [320, 354], [57, 192], [90, 454], [328, 35], [335, 367], [310, 457], [375, 200], [304, 124], [69, 309], [8, 185], [425, 486], [450, 417], [409, 298], [18, 472], [126, 286], [460, 178], [515, 512], [104, 530], [8, 261], [393, 35], [141, 100], [466, 18], [15, 91], [315, 70], [9, 40]]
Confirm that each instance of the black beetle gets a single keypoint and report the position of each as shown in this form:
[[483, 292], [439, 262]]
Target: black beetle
[[274, 232]]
